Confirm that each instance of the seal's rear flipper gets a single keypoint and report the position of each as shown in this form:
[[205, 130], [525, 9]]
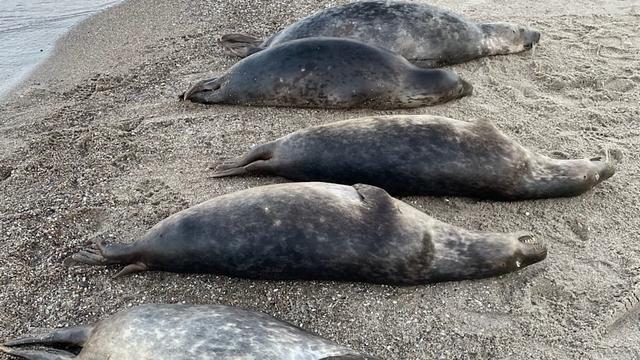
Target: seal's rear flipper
[[256, 160], [75, 336], [87, 256], [195, 92], [50, 354], [240, 45], [108, 254], [130, 269]]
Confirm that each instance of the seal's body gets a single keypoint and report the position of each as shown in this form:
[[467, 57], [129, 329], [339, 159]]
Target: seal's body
[[329, 73], [425, 35], [318, 231], [421, 155], [175, 332]]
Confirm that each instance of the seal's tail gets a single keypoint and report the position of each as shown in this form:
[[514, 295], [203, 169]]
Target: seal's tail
[[240, 45], [256, 160], [49, 354]]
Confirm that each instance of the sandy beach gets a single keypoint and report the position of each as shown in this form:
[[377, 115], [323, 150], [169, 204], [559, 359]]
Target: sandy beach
[[95, 145]]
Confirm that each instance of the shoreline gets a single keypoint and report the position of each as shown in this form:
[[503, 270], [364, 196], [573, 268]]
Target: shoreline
[[47, 50], [73, 37], [96, 146]]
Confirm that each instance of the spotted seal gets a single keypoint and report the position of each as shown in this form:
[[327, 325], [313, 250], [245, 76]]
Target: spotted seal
[[317, 231], [426, 35], [329, 73], [183, 332], [421, 155]]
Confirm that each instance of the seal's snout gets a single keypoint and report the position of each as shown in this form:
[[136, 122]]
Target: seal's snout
[[531, 37], [467, 88], [532, 249], [604, 169]]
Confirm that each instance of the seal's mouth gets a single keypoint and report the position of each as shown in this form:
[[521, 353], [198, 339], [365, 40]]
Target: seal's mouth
[[604, 168], [532, 249], [467, 88], [528, 239], [531, 38]]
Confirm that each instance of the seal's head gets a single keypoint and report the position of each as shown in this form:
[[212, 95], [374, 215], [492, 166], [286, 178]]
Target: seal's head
[[430, 87], [553, 177], [529, 250], [505, 38], [480, 255]]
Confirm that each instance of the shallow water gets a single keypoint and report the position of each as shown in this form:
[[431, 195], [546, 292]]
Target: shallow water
[[30, 28]]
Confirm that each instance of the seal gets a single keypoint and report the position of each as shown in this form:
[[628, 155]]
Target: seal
[[421, 155], [183, 332], [329, 73], [317, 231], [425, 35]]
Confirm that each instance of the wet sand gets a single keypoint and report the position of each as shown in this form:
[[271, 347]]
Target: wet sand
[[95, 145]]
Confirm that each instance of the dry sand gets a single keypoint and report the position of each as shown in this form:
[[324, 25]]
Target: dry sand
[[95, 145]]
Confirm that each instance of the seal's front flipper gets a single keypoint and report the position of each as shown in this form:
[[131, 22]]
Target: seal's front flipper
[[240, 45], [256, 160], [50, 354], [373, 196], [75, 336], [370, 193]]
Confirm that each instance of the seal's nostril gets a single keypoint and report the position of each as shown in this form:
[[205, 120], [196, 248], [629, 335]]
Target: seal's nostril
[[597, 158]]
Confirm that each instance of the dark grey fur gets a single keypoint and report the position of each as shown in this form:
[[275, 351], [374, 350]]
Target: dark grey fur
[[425, 35], [318, 231], [184, 332], [421, 155], [329, 73]]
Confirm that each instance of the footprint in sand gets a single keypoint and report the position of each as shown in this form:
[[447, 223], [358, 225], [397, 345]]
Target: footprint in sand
[[623, 313], [5, 172]]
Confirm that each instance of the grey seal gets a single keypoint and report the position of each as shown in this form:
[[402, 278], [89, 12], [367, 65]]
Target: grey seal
[[329, 73], [175, 332], [317, 231], [426, 35], [421, 155]]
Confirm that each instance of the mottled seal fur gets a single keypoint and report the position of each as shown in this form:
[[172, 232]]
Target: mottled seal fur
[[329, 73], [189, 332], [421, 155], [425, 35], [318, 231]]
